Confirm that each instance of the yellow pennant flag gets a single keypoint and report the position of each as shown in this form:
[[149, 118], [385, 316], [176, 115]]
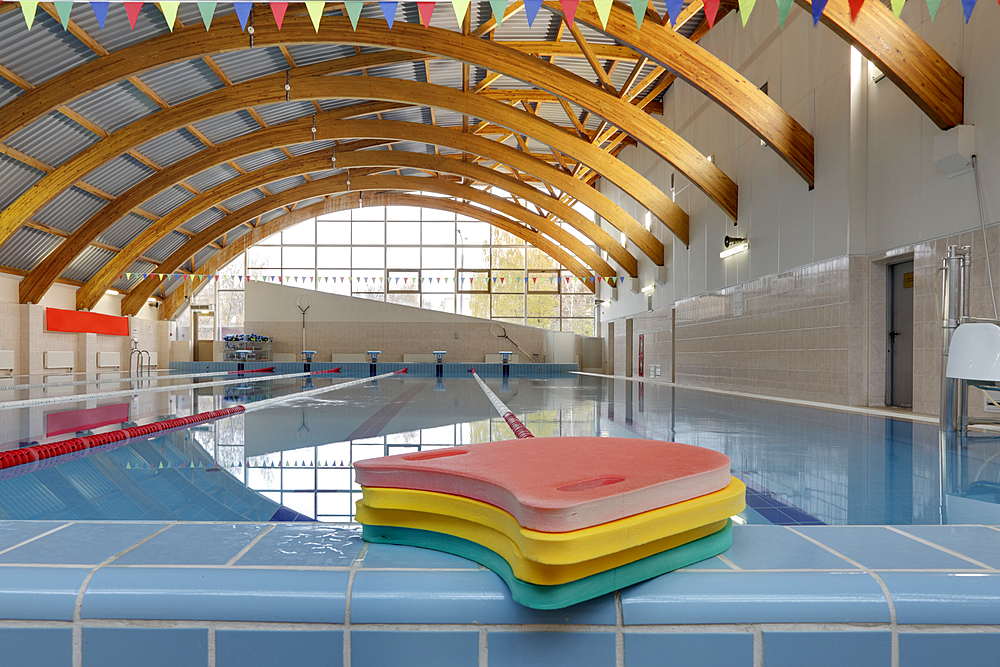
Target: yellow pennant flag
[[746, 6], [169, 10], [603, 8], [897, 7], [315, 12], [461, 9], [28, 8]]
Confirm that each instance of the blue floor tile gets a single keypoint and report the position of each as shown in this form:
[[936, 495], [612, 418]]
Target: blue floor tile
[[378, 648], [39, 593], [776, 548], [714, 563], [279, 596], [943, 598], [278, 648], [703, 649], [476, 596], [933, 649], [38, 647], [393, 555], [193, 544], [82, 543], [827, 649], [15, 532], [305, 545], [879, 548], [978, 542], [128, 647], [551, 649], [755, 597]]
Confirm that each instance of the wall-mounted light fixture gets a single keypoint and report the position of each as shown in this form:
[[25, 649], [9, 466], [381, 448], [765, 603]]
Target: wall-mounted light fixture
[[112, 292], [647, 289], [734, 245]]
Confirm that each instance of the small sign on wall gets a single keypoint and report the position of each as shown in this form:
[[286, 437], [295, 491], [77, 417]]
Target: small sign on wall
[[738, 301], [642, 354], [908, 280]]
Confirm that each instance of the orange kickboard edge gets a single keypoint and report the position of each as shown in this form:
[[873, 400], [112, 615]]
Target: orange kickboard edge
[[558, 484]]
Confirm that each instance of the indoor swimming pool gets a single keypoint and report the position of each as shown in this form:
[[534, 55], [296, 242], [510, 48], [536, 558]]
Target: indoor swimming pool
[[803, 465]]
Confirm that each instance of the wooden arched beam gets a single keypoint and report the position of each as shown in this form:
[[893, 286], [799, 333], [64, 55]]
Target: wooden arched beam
[[227, 35], [173, 303], [328, 126], [88, 295], [902, 55], [707, 73], [270, 89], [384, 160]]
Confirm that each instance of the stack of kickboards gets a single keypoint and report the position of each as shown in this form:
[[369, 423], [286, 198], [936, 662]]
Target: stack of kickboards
[[561, 520]]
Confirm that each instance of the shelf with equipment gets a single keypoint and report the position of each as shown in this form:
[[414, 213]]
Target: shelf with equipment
[[256, 348]]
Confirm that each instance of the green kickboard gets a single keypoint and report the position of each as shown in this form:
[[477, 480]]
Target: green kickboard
[[560, 595]]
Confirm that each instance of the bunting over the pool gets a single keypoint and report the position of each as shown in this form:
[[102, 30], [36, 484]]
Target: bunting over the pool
[[353, 9]]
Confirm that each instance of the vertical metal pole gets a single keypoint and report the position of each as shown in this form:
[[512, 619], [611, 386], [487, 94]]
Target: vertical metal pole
[[951, 308], [962, 386]]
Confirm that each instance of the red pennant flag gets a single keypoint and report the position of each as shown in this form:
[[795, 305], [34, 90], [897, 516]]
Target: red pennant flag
[[855, 8], [569, 9], [426, 10], [132, 9], [278, 9], [711, 9]]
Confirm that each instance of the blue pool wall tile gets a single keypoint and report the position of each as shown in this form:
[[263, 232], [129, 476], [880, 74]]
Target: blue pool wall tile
[[193, 544], [378, 648], [149, 647], [398, 556], [828, 649], [977, 542], [551, 649], [944, 598], [777, 548], [933, 649], [82, 543], [15, 532], [702, 649], [278, 648], [878, 548], [305, 544], [40, 593], [37, 647]]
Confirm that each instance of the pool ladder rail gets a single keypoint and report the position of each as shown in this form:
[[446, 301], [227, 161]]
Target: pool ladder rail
[[138, 355]]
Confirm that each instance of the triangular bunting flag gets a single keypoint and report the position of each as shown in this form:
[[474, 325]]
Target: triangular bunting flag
[[63, 9], [967, 7], [354, 11], [388, 11], [426, 10], [638, 11], [674, 8], [498, 7], [461, 8], [28, 8], [132, 9], [569, 10], [932, 7], [278, 9], [530, 8], [712, 9], [603, 8], [897, 7], [855, 7], [746, 7], [128, 466], [169, 10], [100, 12], [243, 12], [784, 6], [818, 6], [315, 12]]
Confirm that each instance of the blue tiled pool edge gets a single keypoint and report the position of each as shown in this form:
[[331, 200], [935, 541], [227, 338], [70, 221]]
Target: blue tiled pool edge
[[225, 594]]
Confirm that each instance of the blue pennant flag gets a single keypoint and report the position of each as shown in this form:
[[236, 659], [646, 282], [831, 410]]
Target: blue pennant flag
[[243, 12], [818, 6], [389, 11], [531, 7], [100, 11]]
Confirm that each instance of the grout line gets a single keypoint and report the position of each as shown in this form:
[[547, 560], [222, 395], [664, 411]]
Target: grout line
[[355, 566], [944, 549], [211, 646], [484, 648], [758, 647], [36, 537], [733, 566], [242, 552], [619, 630]]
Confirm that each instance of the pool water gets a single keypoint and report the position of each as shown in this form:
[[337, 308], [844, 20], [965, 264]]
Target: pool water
[[802, 465]]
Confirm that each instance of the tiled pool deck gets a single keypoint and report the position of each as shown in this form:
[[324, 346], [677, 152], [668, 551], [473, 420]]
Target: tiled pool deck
[[178, 594]]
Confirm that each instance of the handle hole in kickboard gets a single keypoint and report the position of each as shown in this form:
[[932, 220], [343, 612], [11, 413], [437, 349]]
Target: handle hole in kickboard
[[438, 454], [589, 484]]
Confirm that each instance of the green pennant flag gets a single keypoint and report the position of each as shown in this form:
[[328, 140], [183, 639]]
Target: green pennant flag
[[315, 12], [354, 11], [746, 7], [207, 11], [28, 8], [63, 9], [784, 6], [603, 8], [897, 7], [932, 7], [461, 8], [128, 466], [639, 11], [169, 10], [498, 7]]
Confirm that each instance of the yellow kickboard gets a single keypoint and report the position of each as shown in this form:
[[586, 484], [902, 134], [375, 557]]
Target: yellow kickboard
[[575, 546], [533, 572]]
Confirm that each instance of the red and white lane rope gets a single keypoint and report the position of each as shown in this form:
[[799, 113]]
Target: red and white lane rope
[[515, 424]]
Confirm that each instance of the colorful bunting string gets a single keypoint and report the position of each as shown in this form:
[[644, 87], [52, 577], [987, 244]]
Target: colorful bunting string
[[388, 11], [132, 10], [207, 11], [426, 11], [316, 13], [62, 10], [100, 10], [784, 6], [278, 9], [354, 8], [461, 8], [169, 10], [28, 8], [530, 8], [603, 8]]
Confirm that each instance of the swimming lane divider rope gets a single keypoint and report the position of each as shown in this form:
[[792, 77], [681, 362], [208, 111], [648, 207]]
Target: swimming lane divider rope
[[37, 453], [515, 424]]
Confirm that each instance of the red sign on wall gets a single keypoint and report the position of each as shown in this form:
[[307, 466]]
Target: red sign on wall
[[642, 355]]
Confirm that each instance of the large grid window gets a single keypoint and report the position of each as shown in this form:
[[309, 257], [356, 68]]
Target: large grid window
[[417, 257]]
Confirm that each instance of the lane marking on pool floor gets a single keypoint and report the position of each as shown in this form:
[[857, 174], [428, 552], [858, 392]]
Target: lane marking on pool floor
[[373, 425]]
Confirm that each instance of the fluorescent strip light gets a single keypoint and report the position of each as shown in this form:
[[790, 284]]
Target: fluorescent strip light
[[734, 249], [648, 288], [112, 292]]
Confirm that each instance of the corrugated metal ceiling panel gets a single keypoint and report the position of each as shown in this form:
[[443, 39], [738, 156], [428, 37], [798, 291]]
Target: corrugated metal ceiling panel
[[20, 48], [88, 263], [280, 113], [8, 91], [285, 184], [70, 209], [115, 106], [249, 64], [53, 139], [228, 126], [309, 202], [167, 246], [209, 178], [118, 175], [237, 233], [137, 269], [122, 232], [260, 160], [271, 215], [117, 33], [320, 175], [182, 81], [312, 146], [410, 114], [203, 256], [168, 200], [307, 54], [516, 27], [243, 199], [410, 71], [203, 220], [27, 247], [16, 177], [167, 149]]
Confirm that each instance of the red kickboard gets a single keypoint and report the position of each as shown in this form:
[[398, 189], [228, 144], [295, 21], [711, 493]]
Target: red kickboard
[[556, 485]]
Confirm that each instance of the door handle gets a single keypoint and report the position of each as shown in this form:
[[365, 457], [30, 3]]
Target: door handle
[[892, 335]]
